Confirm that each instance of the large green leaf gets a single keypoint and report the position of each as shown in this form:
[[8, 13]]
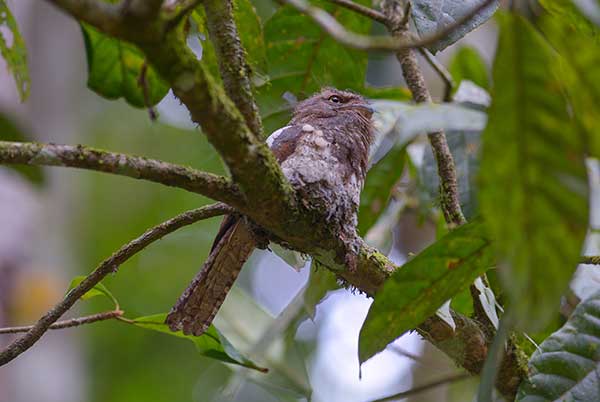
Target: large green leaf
[[378, 187], [467, 64], [12, 48], [416, 290], [563, 26], [116, 68], [533, 182], [566, 367], [302, 58], [211, 344]]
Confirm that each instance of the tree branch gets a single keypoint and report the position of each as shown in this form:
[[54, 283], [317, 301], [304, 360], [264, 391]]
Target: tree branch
[[105, 16], [415, 80], [217, 187], [425, 387], [377, 43], [73, 322], [231, 55], [110, 265], [360, 9]]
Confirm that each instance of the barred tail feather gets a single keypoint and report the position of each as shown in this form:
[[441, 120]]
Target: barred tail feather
[[194, 311]]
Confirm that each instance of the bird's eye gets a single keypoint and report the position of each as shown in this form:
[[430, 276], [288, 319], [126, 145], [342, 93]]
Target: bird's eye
[[335, 99]]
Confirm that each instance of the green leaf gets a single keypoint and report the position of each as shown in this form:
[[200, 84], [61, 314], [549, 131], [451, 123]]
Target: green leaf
[[98, 290], [115, 70], [320, 282], [302, 58], [430, 16], [563, 26], [251, 34], [12, 48], [211, 344], [10, 132], [418, 289], [533, 187], [567, 365], [467, 64], [250, 31], [379, 184]]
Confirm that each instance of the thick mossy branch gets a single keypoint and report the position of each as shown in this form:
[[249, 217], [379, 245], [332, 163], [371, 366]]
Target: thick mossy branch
[[233, 66], [216, 187]]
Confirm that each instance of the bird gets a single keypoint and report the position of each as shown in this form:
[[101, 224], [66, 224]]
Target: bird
[[323, 152]]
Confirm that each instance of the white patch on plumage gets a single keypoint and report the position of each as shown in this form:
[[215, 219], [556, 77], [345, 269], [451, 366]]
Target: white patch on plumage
[[271, 139]]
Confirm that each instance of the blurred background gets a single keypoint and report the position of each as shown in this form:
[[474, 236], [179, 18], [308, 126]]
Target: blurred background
[[64, 222]]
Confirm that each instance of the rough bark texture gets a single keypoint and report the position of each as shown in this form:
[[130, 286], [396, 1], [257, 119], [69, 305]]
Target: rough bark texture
[[235, 71], [213, 186]]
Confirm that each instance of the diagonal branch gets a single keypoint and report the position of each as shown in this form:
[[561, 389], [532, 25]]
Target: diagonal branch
[[378, 43], [110, 265], [231, 55], [216, 187]]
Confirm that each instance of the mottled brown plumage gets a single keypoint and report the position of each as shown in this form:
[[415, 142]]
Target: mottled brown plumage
[[323, 152]]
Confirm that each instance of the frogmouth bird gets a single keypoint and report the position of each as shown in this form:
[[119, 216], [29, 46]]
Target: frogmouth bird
[[323, 152]]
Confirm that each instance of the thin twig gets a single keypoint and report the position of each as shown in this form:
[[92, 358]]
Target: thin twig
[[73, 322], [110, 265], [397, 349], [441, 72], [590, 259], [143, 84], [377, 43], [217, 187], [426, 387], [360, 9]]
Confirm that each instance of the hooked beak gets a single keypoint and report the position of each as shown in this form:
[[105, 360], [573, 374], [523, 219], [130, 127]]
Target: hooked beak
[[363, 107]]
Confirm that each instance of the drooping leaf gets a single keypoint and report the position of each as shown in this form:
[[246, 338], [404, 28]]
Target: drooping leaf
[[12, 48], [320, 282], [533, 186], [98, 290], [379, 184], [433, 16], [467, 64], [117, 69], [567, 365], [302, 58], [211, 344], [421, 286], [563, 26], [10, 132]]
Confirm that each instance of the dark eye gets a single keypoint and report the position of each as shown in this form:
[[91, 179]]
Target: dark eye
[[335, 99]]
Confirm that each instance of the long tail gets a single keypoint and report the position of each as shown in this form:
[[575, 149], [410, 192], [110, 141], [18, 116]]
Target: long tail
[[198, 305]]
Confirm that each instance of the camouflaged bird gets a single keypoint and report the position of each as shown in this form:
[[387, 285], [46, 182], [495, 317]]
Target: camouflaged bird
[[323, 152]]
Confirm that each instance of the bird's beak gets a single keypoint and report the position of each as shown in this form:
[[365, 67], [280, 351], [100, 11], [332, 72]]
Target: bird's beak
[[362, 107]]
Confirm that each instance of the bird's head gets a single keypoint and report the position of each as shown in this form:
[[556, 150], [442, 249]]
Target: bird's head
[[331, 102]]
